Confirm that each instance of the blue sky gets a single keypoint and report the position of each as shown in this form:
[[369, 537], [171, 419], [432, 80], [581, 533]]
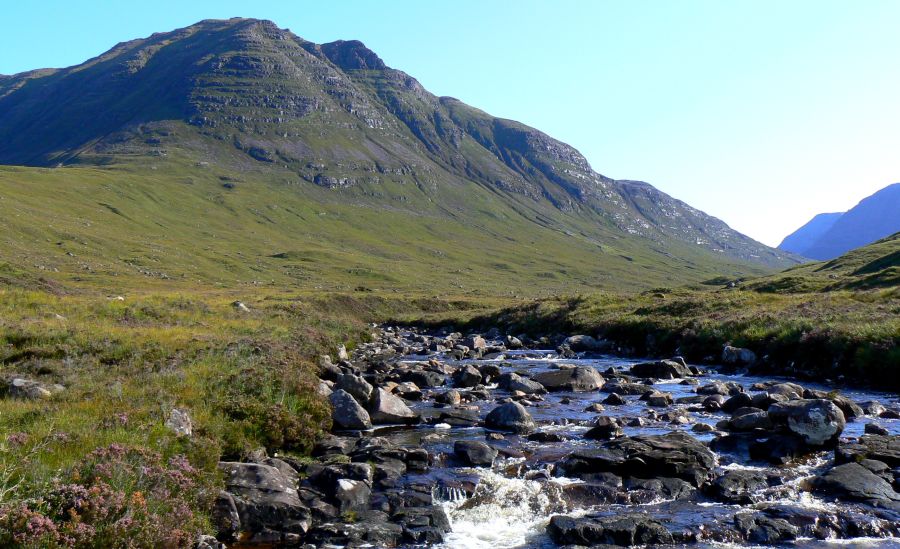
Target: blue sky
[[762, 113]]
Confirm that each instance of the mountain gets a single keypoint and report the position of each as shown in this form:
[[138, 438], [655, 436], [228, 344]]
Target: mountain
[[875, 217], [806, 236], [875, 265], [243, 104]]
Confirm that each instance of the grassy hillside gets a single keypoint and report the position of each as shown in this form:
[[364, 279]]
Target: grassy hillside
[[170, 224]]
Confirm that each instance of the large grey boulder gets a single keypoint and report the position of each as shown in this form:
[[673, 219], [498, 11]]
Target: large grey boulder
[[359, 388], [347, 413], [738, 355], [511, 417], [817, 422], [260, 502], [578, 378], [388, 409]]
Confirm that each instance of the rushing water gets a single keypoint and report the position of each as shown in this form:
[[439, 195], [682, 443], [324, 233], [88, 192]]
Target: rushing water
[[502, 507]]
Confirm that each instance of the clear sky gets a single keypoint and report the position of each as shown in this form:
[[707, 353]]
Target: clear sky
[[762, 113]]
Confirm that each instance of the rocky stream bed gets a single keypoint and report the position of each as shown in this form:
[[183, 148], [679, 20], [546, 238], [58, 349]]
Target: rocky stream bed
[[451, 440]]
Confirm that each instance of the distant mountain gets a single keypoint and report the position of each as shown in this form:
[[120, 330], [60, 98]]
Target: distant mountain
[[829, 235], [244, 100], [806, 236]]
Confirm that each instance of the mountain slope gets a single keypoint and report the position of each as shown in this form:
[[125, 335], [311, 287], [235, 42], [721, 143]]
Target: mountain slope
[[802, 239], [244, 104], [875, 217]]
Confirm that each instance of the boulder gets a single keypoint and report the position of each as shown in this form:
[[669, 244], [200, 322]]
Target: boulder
[[604, 428], [817, 422], [511, 417], [675, 454], [737, 486], [260, 501], [738, 356], [466, 376], [579, 378], [614, 400], [357, 387], [390, 409], [31, 390], [658, 399], [626, 388], [763, 529], [475, 342], [883, 448], [740, 400], [661, 369], [474, 453], [585, 343], [621, 530], [512, 381], [180, 423], [347, 413], [748, 419], [853, 481], [352, 495]]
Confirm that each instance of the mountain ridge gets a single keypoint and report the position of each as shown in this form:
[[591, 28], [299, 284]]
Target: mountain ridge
[[250, 101], [875, 217]]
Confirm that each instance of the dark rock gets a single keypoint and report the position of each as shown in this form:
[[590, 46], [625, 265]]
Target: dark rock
[[661, 369], [779, 449], [748, 419], [658, 399], [740, 400], [853, 481], [675, 454], [625, 388], [760, 528], [347, 413], [466, 376], [713, 403], [264, 500], [424, 378], [614, 400], [511, 417], [875, 429], [586, 343], [621, 530], [579, 378], [736, 486], [641, 491], [604, 428], [474, 453]]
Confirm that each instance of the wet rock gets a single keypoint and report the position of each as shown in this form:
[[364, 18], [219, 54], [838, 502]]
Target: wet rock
[[347, 413], [765, 400], [614, 400], [577, 379], [851, 409], [641, 491], [875, 429], [511, 381], [545, 437], [390, 409], [595, 407], [474, 453], [738, 356], [459, 418], [748, 419], [818, 422], [626, 388], [451, 397], [675, 454], [408, 390], [661, 369], [791, 391], [658, 399], [424, 378], [489, 372], [736, 486], [264, 503], [621, 530], [511, 417], [884, 448], [702, 428], [604, 428], [761, 528], [853, 481], [778, 449], [740, 400], [713, 403], [466, 376], [720, 388]]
